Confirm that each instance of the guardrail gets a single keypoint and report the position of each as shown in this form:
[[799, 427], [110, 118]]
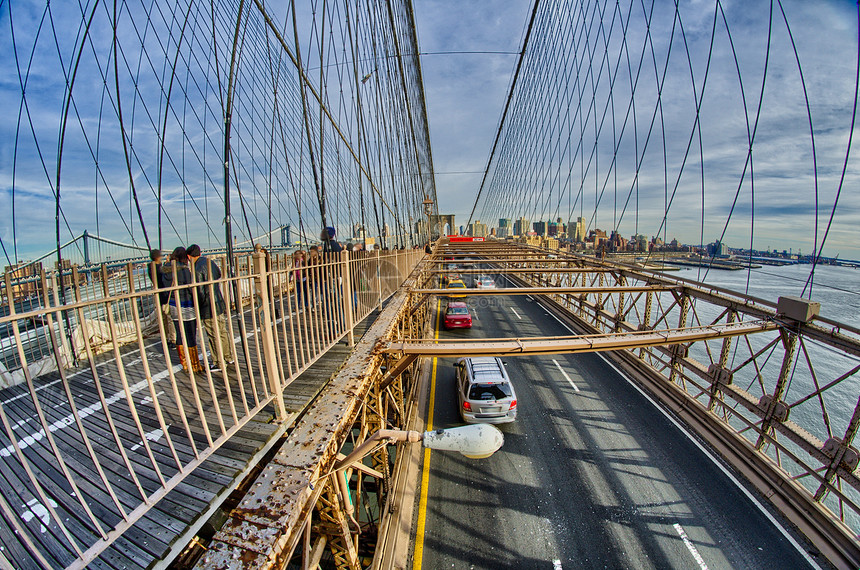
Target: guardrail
[[780, 405], [88, 450]]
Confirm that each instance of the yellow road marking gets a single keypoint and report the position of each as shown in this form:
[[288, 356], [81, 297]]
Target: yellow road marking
[[418, 555]]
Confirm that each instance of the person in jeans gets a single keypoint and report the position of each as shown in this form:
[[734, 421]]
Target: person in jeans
[[212, 307], [182, 310], [156, 274], [300, 279]]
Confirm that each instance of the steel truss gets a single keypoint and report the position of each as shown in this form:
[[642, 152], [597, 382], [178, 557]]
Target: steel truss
[[766, 391], [301, 498]]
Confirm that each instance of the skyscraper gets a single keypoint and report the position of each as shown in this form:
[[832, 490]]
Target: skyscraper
[[576, 230], [478, 229], [521, 227]]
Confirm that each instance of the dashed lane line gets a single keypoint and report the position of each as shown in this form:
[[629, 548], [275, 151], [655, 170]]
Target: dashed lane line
[[566, 377]]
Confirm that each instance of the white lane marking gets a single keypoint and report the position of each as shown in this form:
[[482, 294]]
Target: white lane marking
[[690, 546], [22, 423], [516, 313], [566, 377], [29, 440], [709, 455], [153, 435], [556, 564], [155, 343], [148, 399], [36, 509]]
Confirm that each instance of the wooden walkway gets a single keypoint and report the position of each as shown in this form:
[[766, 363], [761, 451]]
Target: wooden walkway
[[167, 527]]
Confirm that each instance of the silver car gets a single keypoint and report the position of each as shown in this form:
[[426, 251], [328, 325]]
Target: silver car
[[485, 392]]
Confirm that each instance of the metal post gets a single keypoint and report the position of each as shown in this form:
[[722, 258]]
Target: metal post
[[334, 526], [726, 347], [619, 314], [86, 247], [789, 341], [678, 351], [269, 349], [347, 298], [840, 453], [66, 337], [379, 279]]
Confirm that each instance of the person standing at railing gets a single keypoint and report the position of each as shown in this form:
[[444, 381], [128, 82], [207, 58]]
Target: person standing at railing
[[313, 263], [212, 307], [300, 278], [182, 310], [156, 274], [329, 243]]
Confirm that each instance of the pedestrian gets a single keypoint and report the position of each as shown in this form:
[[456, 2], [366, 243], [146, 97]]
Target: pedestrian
[[156, 274], [212, 308], [427, 249], [182, 310], [314, 271], [299, 277], [328, 241]]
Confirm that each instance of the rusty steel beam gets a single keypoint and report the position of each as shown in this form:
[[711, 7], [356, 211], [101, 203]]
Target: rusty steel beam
[[571, 344], [269, 522], [488, 259], [543, 290], [503, 270], [840, 335]]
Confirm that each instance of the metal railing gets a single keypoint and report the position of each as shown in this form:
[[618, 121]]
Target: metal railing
[[304, 503], [89, 447], [780, 404]]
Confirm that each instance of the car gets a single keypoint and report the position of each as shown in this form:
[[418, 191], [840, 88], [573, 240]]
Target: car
[[457, 316], [485, 283], [449, 273], [450, 276], [484, 390], [455, 284]]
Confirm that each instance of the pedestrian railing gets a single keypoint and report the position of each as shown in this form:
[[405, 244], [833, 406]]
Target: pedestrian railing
[[90, 443]]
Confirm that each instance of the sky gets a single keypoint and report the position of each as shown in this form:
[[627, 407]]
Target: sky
[[465, 93], [465, 96]]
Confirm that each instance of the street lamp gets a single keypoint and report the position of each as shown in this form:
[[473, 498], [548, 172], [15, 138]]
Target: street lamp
[[475, 441]]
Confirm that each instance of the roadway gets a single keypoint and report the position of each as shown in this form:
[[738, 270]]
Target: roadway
[[591, 475]]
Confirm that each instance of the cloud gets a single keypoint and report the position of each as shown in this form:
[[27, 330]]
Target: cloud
[[465, 100], [553, 163]]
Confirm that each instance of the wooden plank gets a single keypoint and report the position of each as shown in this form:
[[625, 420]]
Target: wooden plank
[[18, 489], [154, 532], [10, 485]]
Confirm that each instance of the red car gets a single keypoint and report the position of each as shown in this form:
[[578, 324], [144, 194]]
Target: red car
[[457, 316]]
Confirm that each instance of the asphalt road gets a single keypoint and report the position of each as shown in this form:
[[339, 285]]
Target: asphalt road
[[591, 475]]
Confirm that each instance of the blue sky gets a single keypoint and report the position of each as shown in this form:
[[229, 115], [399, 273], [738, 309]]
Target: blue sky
[[465, 94]]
